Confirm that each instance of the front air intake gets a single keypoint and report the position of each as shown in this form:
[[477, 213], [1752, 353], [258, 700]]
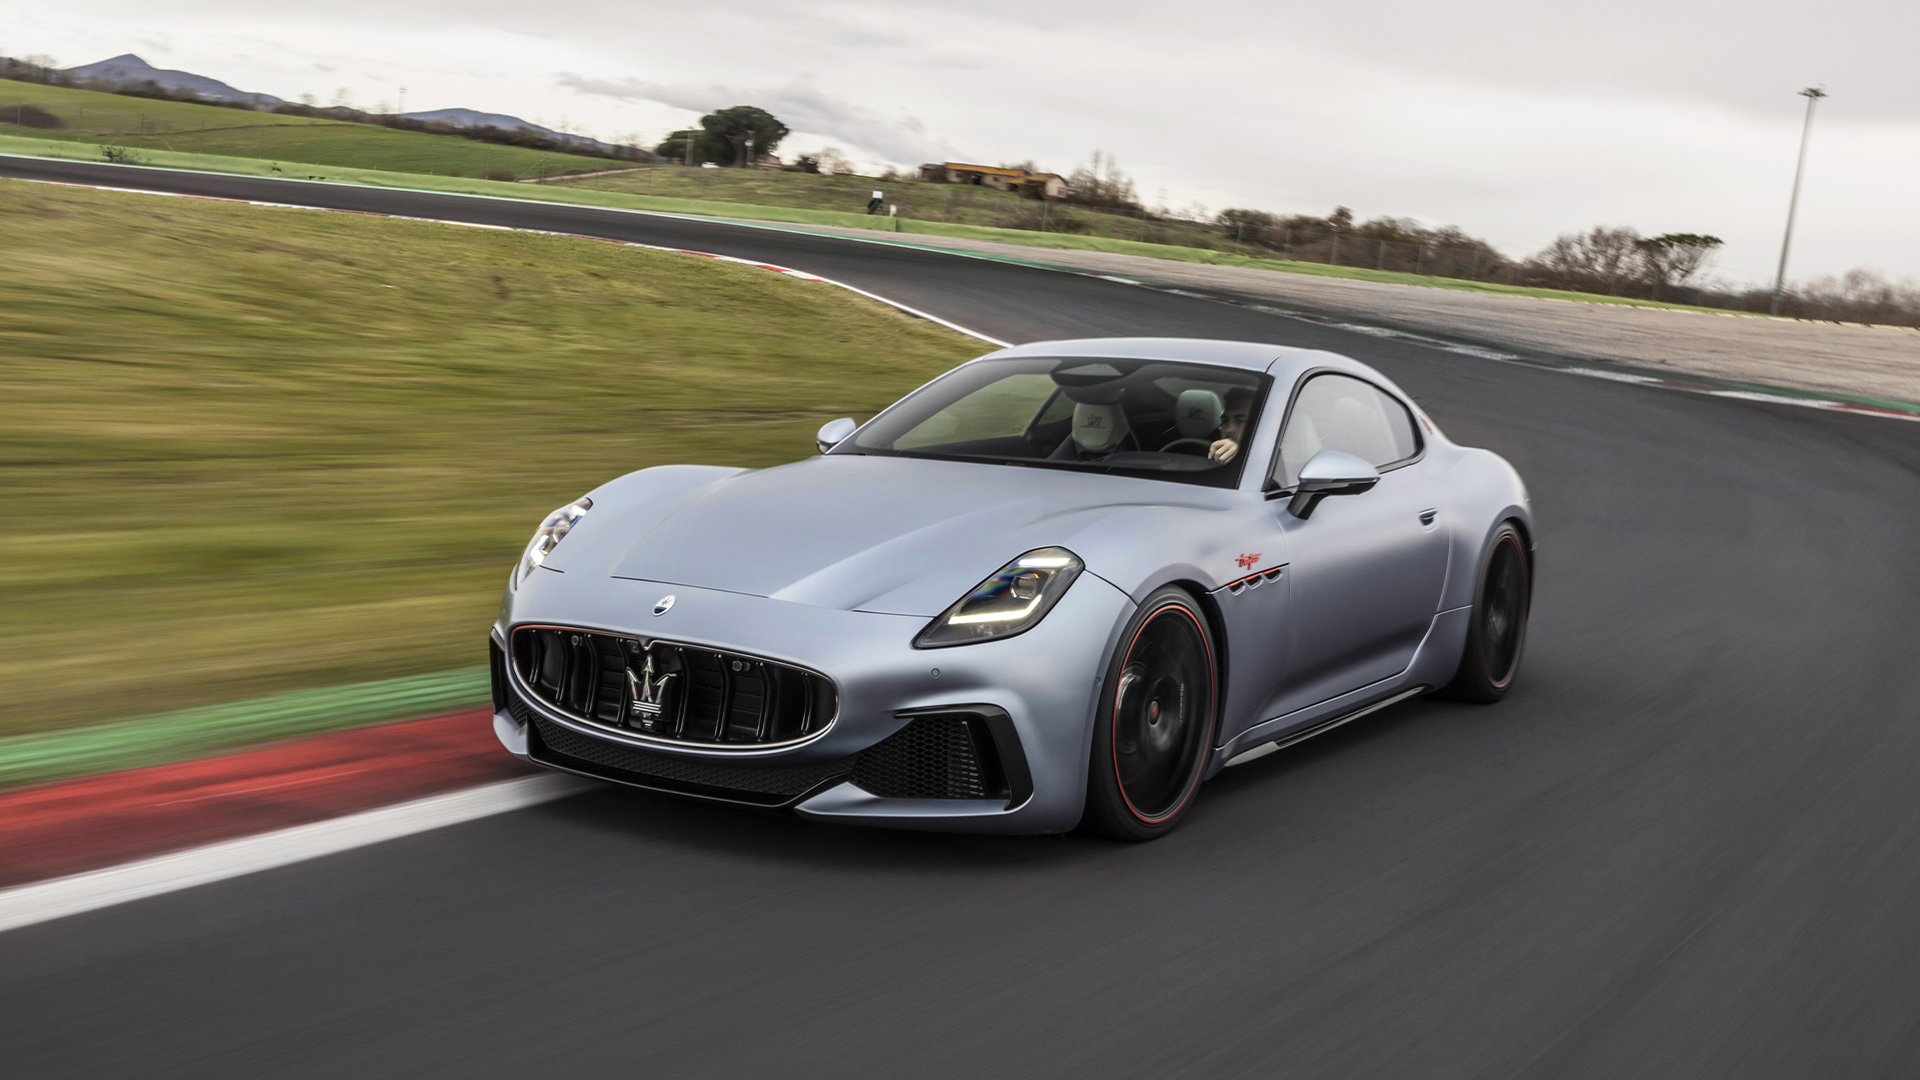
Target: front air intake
[[754, 785], [675, 693]]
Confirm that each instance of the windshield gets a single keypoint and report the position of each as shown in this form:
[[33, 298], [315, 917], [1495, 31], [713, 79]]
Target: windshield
[[1171, 421]]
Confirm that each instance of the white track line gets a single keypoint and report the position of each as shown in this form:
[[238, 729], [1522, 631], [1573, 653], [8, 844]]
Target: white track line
[[45, 900]]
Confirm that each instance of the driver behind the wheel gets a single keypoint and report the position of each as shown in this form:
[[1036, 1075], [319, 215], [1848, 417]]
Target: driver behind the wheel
[[1233, 425]]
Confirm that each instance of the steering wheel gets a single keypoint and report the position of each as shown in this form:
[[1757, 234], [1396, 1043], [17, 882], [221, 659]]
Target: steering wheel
[[1204, 445]]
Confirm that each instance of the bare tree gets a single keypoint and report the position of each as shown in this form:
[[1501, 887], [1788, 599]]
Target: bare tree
[[1601, 258], [834, 161], [1671, 259], [1101, 183]]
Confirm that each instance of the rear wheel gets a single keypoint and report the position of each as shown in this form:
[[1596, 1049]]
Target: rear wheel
[[1497, 634], [1156, 721]]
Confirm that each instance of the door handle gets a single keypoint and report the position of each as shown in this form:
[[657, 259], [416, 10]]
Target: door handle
[[1427, 516]]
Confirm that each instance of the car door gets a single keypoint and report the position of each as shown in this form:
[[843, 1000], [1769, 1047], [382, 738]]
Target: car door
[[1366, 569]]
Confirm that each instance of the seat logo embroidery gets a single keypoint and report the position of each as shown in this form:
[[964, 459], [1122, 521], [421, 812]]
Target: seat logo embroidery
[[1248, 560]]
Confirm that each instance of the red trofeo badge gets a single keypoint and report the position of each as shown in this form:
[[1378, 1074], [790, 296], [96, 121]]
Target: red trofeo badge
[[1248, 560]]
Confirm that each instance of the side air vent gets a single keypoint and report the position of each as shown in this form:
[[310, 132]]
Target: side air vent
[[679, 694], [934, 757]]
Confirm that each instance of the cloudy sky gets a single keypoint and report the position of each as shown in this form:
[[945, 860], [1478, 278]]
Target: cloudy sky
[[1514, 119]]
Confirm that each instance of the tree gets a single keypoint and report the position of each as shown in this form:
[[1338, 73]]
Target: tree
[[1601, 258], [835, 162], [675, 146], [1101, 183], [1246, 226], [728, 132], [1672, 258]]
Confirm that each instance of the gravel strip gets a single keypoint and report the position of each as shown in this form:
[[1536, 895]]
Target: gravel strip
[[1878, 361]]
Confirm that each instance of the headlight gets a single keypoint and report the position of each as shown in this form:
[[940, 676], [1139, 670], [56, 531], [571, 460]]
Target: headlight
[[552, 531], [1012, 601]]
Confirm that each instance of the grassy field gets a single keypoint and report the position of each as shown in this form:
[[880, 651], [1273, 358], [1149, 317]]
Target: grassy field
[[141, 124], [248, 450]]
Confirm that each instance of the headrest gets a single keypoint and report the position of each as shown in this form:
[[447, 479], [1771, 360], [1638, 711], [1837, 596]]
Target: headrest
[[1098, 428], [1197, 413]]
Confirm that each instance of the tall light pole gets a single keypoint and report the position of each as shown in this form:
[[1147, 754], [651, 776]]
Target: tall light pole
[[1812, 94]]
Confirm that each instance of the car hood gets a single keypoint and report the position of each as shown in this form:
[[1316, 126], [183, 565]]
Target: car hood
[[892, 535]]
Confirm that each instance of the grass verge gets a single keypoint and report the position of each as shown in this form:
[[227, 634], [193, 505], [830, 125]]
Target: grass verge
[[245, 451], [579, 194], [172, 736]]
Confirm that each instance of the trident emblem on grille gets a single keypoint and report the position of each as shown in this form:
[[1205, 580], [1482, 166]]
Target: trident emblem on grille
[[647, 694]]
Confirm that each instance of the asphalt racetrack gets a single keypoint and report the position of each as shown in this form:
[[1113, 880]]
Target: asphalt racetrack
[[1688, 845]]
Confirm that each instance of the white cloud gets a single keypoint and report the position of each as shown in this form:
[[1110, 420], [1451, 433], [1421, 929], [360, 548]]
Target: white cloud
[[800, 104]]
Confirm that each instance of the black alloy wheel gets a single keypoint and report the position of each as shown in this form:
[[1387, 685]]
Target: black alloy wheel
[[1497, 634], [1156, 721]]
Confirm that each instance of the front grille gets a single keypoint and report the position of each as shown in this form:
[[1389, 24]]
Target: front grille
[[669, 691], [771, 785], [933, 757]]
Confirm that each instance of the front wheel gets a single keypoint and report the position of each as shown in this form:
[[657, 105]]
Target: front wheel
[[1155, 722], [1498, 632]]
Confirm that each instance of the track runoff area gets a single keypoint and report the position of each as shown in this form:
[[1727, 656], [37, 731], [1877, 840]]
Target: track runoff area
[[1687, 842]]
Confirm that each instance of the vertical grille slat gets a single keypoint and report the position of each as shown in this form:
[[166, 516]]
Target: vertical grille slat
[[693, 695]]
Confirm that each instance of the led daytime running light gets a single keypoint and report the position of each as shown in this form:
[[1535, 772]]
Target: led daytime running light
[[1010, 602]]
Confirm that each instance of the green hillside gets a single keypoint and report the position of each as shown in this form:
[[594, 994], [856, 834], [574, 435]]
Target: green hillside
[[145, 124]]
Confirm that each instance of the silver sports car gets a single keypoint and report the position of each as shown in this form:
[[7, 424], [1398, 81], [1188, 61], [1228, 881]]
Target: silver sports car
[[1059, 585]]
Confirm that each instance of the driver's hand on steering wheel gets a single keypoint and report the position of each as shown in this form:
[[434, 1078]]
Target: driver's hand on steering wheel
[[1222, 450]]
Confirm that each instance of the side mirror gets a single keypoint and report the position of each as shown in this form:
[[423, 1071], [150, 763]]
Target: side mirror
[[1330, 472], [833, 433]]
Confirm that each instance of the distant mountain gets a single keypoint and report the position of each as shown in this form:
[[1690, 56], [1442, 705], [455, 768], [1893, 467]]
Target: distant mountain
[[473, 118], [129, 69]]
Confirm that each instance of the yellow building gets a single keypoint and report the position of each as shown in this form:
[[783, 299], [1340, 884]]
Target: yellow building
[[1052, 185]]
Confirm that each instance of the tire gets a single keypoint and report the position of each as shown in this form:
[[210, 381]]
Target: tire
[[1160, 701], [1497, 633]]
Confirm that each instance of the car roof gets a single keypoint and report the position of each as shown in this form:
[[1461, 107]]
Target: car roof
[[1284, 362], [1240, 354]]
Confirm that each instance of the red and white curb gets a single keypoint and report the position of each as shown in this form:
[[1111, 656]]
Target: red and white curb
[[89, 842], [77, 893]]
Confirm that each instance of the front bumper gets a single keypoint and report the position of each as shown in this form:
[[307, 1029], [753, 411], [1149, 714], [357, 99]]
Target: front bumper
[[1038, 689]]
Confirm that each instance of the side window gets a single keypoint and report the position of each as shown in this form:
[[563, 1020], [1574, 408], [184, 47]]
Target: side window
[[1337, 412]]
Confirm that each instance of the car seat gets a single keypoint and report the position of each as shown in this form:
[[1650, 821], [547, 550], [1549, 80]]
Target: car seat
[[1098, 428], [1197, 413]]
